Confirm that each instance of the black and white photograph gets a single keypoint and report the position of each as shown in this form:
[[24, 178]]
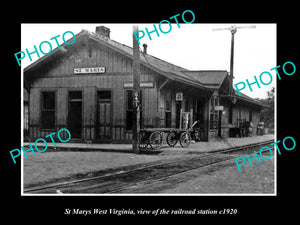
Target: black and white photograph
[[166, 109], [128, 111]]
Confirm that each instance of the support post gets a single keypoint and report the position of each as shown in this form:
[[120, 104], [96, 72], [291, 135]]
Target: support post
[[136, 93]]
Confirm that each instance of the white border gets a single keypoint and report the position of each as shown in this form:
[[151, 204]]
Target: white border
[[212, 194]]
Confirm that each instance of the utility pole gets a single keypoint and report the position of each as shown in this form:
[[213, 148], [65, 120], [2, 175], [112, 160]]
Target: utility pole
[[233, 30], [136, 93]]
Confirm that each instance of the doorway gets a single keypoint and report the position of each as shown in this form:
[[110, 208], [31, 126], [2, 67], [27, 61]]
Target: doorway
[[104, 113], [178, 113], [75, 113]]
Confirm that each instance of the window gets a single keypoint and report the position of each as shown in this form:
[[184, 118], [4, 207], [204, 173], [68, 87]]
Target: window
[[104, 95], [48, 110], [250, 115], [75, 95], [129, 109]]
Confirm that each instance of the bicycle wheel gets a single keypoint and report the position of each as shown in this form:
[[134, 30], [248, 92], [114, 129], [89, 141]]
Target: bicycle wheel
[[185, 139], [171, 139], [155, 140]]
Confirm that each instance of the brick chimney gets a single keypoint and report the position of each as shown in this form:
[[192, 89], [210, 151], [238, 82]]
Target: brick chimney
[[104, 31]]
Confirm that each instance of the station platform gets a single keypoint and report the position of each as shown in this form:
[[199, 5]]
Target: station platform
[[69, 161], [194, 146]]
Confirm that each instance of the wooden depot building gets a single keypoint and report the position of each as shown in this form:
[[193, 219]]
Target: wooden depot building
[[86, 87]]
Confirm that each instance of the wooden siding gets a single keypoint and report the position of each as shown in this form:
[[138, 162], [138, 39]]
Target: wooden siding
[[78, 56], [59, 76]]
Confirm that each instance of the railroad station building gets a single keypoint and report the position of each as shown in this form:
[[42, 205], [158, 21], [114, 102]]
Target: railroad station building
[[87, 87]]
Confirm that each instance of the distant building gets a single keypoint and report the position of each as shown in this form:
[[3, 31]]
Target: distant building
[[87, 88]]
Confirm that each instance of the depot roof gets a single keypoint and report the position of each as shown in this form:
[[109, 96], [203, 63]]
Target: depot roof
[[165, 68], [208, 79], [200, 79]]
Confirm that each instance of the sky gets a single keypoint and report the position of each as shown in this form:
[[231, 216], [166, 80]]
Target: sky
[[193, 46]]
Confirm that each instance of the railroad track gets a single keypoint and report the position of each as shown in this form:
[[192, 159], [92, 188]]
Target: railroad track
[[137, 179]]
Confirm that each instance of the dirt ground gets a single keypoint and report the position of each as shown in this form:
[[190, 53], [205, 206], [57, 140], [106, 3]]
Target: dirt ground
[[44, 167], [226, 179], [53, 165]]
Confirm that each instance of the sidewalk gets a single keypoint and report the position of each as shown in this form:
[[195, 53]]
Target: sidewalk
[[78, 160]]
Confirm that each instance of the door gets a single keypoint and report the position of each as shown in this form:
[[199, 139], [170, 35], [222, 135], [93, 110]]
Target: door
[[178, 113], [75, 113], [104, 115]]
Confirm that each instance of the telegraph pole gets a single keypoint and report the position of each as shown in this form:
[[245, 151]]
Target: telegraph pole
[[233, 30], [136, 94]]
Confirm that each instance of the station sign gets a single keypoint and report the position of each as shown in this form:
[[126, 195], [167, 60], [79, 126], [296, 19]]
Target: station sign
[[179, 96], [89, 70], [219, 107], [142, 85]]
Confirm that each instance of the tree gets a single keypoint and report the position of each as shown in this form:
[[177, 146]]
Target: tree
[[267, 113]]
